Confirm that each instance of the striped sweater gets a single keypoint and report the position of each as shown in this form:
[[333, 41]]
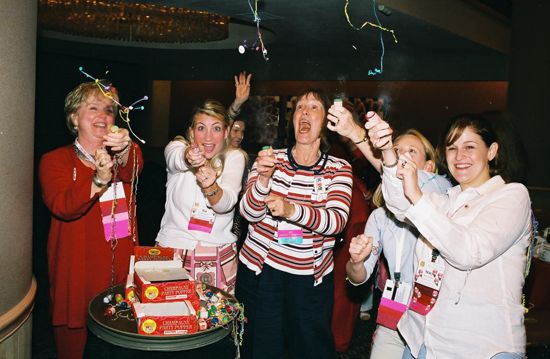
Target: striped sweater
[[321, 217]]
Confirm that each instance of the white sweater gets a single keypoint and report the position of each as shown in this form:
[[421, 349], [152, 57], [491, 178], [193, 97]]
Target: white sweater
[[182, 192]]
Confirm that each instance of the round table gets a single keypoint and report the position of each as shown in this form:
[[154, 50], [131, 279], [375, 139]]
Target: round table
[[121, 330]]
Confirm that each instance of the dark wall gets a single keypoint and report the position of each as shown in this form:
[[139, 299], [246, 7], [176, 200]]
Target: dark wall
[[295, 63], [424, 105]]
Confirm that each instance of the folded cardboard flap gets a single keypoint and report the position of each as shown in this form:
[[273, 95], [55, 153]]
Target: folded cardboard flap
[[144, 253], [161, 271], [163, 275], [132, 264]]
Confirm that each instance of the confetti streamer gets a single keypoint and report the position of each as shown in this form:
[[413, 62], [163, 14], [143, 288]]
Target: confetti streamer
[[124, 112], [375, 71], [257, 21]]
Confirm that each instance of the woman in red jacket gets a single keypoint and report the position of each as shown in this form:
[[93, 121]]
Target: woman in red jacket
[[87, 186]]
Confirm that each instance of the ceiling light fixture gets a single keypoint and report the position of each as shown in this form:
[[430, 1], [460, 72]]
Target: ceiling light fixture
[[135, 22]]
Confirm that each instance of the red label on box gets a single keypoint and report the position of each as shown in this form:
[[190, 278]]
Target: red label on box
[[167, 325], [174, 318], [143, 253], [164, 291]]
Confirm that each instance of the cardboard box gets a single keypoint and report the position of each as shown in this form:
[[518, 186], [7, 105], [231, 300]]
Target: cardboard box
[[156, 274], [174, 318], [162, 281]]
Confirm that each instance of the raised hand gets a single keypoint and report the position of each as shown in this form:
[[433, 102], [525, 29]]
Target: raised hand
[[340, 120], [265, 165], [360, 248], [117, 140], [242, 88], [379, 131], [103, 164], [407, 172], [194, 156], [206, 176]]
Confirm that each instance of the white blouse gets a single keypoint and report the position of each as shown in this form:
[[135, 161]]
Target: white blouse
[[482, 234]]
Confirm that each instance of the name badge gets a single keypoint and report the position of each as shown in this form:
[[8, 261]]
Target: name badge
[[320, 186], [202, 218], [393, 303], [428, 279], [288, 233], [114, 212]]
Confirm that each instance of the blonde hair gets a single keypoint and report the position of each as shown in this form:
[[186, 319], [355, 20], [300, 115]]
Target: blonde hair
[[212, 108], [78, 96], [431, 155], [378, 197]]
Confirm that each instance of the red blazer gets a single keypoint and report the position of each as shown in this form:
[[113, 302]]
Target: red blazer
[[79, 257]]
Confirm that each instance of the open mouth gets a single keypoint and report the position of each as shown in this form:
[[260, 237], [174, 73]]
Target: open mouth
[[100, 125], [208, 148], [304, 126]]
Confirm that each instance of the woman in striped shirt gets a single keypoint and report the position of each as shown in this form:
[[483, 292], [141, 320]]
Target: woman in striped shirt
[[297, 200]]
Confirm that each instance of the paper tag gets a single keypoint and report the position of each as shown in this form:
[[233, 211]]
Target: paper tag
[[320, 186], [398, 293], [202, 219], [430, 273], [428, 279], [393, 303], [114, 212], [288, 233]]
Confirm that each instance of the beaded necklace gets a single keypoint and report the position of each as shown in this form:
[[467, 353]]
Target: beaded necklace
[[114, 239], [133, 196], [82, 154]]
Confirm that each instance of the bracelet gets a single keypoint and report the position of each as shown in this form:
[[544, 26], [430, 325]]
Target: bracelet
[[125, 149], [392, 165], [365, 139], [235, 110], [99, 183], [210, 194], [232, 113]]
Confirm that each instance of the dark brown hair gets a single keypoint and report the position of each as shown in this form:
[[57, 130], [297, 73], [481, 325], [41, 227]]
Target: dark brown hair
[[481, 126], [326, 101]]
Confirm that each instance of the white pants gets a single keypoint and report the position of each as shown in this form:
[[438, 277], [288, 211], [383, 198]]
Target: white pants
[[387, 344]]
